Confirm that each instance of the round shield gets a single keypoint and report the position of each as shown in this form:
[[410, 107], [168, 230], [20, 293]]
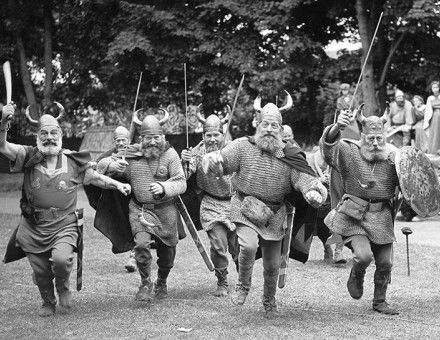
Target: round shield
[[418, 181]]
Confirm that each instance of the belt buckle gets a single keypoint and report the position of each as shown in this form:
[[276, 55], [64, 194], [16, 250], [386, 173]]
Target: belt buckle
[[54, 212]]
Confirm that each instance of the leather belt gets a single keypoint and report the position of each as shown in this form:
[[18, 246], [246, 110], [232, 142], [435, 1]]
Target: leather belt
[[271, 205], [151, 206], [220, 198], [50, 214]]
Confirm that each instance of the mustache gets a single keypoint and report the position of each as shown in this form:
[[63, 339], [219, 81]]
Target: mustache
[[49, 143]]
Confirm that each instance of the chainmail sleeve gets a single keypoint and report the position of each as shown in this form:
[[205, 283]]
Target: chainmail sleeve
[[176, 183], [304, 183], [231, 156]]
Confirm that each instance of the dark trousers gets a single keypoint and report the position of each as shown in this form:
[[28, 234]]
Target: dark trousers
[[142, 254]]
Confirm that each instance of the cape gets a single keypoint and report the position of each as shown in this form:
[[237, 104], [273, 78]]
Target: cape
[[111, 217], [304, 221], [81, 158]]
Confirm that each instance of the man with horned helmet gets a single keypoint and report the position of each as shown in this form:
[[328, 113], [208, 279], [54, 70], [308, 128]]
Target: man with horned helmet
[[266, 170], [47, 232], [155, 173], [121, 137], [364, 217], [216, 201]]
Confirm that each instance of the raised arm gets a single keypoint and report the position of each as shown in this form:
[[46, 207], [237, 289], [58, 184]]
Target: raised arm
[[10, 150]]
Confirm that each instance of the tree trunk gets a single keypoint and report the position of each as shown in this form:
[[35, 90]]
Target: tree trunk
[[48, 80], [368, 86], [26, 77]]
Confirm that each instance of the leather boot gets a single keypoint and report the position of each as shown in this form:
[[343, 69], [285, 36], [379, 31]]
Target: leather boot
[[222, 282], [49, 301], [269, 291], [339, 257], [381, 280], [355, 283], [270, 307], [64, 294], [160, 286], [328, 253], [145, 290], [238, 297]]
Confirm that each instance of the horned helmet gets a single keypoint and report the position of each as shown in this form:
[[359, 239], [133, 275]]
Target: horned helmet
[[151, 125], [213, 122], [372, 124], [271, 110], [46, 120]]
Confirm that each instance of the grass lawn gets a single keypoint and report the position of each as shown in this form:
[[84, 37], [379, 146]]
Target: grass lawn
[[314, 304]]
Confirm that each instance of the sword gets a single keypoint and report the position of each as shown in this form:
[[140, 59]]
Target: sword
[[285, 250], [233, 109], [194, 234], [80, 246], [365, 62], [130, 136]]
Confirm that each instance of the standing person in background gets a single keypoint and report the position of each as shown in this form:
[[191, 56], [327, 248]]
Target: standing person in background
[[419, 115], [431, 122], [400, 119], [343, 104]]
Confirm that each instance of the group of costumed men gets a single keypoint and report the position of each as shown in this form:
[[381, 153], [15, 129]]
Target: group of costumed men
[[244, 185]]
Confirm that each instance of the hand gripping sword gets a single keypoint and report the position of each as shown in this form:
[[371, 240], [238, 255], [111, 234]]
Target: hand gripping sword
[[285, 250], [193, 231]]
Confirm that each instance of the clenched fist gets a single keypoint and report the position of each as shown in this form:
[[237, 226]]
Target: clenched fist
[[344, 119], [124, 188], [117, 166], [314, 198]]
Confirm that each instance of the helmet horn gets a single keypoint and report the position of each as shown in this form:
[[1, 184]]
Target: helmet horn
[[62, 110], [28, 116], [165, 117], [289, 103], [257, 104], [136, 118], [199, 115], [359, 115]]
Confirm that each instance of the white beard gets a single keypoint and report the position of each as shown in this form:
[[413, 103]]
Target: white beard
[[49, 150]]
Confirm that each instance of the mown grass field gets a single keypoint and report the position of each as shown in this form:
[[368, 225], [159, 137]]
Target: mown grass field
[[314, 305]]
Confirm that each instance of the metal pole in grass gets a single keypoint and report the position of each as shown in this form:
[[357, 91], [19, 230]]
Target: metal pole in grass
[[407, 231]]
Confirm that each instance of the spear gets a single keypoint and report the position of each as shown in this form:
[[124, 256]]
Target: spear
[[186, 107]]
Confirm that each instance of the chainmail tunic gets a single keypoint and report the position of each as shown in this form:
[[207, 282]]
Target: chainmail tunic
[[167, 171], [267, 178], [344, 156], [212, 210]]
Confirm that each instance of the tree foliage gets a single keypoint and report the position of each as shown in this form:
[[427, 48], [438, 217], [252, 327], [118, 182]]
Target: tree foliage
[[99, 48]]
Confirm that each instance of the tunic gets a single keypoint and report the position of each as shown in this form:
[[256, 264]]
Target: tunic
[[267, 178], [432, 124], [216, 203], [49, 199], [344, 156], [161, 211]]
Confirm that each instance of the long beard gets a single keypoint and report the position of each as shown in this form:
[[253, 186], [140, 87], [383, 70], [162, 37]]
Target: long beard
[[153, 151], [379, 154], [268, 143], [49, 148], [210, 147]]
